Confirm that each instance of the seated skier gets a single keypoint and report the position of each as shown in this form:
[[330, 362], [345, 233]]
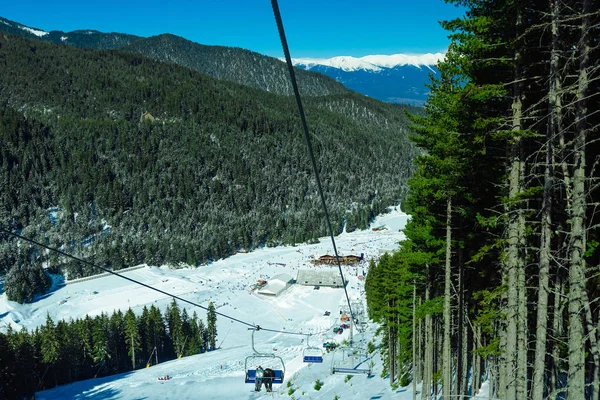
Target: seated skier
[[259, 378], [268, 379]]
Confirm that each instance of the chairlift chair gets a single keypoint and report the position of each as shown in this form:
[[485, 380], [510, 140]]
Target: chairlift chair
[[266, 359], [351, 362], [312, 354]]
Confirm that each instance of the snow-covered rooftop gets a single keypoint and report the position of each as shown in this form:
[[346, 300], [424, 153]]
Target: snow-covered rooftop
[[282, 278]]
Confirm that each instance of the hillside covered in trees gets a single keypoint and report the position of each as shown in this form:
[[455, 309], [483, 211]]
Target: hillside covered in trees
[[227, 63], [499, 276], [235, 65], [130, 160]]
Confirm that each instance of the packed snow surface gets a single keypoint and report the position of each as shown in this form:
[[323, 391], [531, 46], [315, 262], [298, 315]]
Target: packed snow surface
[[227, 283], [373, 62]]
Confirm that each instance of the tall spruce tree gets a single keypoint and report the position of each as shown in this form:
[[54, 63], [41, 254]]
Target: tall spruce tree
[[211, 327], [132, 337], [203, 332], [174, 324]]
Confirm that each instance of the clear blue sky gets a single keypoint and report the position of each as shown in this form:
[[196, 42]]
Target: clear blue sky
[[315, 28]]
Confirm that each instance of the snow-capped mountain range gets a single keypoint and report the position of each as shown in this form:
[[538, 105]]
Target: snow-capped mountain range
[[371, 63], [396, 78]]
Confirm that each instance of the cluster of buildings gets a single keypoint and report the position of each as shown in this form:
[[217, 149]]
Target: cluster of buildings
[[279, 283], [344, 260], [308, 277]]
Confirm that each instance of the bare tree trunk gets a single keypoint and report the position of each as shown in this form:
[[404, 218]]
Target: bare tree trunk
[[576, 213], [132, 352], [576, 288], [522, 331], [555, 107], [414, 345], [538, 383], [391, 346], [597, 371], [557, 331], [429, 350], [436, 354], [476, 368], [428, 367], [473, 366], [447, 358], [465, 362], [503, 361], [463, 369], [513, 260], [420, 356], [594, 345], [516, 340], [496, 387]]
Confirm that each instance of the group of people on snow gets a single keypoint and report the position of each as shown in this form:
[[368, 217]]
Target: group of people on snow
[[265, 376]]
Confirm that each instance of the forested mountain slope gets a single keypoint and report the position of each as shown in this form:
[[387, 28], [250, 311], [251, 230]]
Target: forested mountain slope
[[213, 167], [234, 65], [80, 38], [228, 63]]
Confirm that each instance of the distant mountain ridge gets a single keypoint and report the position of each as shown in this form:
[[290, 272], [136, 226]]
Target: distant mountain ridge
[[397, 78], [234, 64], [228, 63], [372, 63], [86, 38]]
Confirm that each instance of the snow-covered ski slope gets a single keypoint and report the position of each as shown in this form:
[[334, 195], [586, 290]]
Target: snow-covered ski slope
[[220, 374]]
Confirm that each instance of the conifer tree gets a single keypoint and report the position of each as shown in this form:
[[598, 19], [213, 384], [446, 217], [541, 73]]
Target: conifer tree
[[50, 349], [195, 337], [186, 332], [116, 343], [157, 332], [100, 351], [174, 325], [211, 326], [132, 335], [203, 332]]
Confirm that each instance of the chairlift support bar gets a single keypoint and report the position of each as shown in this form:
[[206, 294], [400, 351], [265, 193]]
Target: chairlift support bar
[[150, 358], [355, 370]]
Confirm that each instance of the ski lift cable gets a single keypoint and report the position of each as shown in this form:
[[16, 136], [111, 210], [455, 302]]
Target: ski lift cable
[[257, 327], [290, 66]]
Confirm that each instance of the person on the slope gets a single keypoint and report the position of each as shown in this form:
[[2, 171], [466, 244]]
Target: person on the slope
[[268, 379], [259, 378]]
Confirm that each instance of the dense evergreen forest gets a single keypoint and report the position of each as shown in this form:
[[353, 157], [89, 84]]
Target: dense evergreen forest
[[499, 277], [61, 352], [128, 160]]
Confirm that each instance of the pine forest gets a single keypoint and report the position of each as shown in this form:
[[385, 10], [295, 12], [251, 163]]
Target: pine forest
[[61, 352], [499, 277]]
